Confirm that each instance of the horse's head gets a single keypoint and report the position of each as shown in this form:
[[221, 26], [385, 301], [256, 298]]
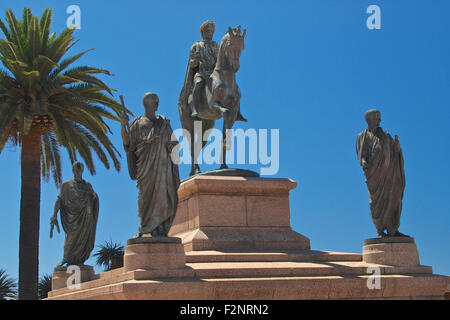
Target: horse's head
[[233, 44]]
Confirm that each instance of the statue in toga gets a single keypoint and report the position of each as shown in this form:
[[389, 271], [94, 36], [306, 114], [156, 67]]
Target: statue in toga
[[147, 142], [382, 161], [79, 206]]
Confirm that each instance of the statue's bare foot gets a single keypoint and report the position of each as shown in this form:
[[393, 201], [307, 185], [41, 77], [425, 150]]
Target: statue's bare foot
[[240, 117], [399, 234], [60, 265], [195, 170], [381, 234]]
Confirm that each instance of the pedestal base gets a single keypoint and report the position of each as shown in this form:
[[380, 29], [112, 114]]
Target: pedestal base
[[61, 275], [239, 245], [154, 253], [236, 213], [243, 239], [393, 251]]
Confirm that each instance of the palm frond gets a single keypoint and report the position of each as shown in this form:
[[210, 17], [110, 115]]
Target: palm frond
[[44, 286], [51, 159], [8, 286], [108, 253], [16, 36], [67, 62], [41, 83], [5, 31], [45, 23], [8, 113]]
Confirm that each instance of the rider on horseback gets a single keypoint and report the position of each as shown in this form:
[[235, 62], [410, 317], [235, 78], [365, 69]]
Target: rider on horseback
[[202, 61]]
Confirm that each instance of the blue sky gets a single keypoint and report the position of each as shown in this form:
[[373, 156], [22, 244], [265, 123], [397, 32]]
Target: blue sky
[[310, 69]]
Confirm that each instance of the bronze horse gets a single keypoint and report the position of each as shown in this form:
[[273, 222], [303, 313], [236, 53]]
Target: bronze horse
[[220, 98]]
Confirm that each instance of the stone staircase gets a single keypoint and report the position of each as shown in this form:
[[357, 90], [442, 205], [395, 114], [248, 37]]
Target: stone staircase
[[232, 240], [235, 275], [216, 264]]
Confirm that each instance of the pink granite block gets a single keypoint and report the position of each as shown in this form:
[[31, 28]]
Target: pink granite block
[[221, 210], [180, 222], [268, 211]]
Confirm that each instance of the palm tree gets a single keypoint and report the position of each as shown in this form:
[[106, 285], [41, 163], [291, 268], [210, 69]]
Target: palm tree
[[44, 286], [44, 105], [7, 286], [110, 255]]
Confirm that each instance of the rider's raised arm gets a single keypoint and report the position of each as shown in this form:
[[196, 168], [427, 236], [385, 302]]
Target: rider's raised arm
[[131, 148], [194, 56]]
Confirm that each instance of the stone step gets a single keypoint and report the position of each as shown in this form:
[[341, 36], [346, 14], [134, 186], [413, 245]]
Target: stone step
[[269, 256], [203, 270], [273, 288]]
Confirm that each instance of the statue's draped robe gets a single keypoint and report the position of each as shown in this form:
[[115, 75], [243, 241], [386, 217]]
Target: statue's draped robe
[[149, 163], [79, 214], [385, 178], [207, 51]]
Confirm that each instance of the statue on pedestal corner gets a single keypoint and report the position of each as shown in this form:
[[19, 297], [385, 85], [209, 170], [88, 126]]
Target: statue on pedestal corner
[[381, 158], [79, 206], [148, 145]]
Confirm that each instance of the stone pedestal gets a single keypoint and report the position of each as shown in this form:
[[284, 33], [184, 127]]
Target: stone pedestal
[[154, 253], [61, 275], [393, 251], [236, 213], [239, 245]]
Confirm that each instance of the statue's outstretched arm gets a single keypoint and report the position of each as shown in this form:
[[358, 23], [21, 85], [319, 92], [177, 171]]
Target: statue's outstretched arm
[[194, 57], [361, 150], [54, 218], [172, 139], [127, 142], [397, 144], [131, 161], [56, 209]]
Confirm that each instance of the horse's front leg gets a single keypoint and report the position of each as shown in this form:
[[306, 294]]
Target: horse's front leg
[[195, 168], [228, 121]]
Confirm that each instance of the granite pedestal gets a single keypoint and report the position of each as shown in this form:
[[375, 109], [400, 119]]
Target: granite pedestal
[[154, 253], [61, 275], [236, 213], [238, 244], [392, 251]]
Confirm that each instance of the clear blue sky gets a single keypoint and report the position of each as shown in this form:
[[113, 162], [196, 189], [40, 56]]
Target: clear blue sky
[[309, 68]]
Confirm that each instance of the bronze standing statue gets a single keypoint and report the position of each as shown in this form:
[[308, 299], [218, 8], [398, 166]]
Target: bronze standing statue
[[147, 142], [79, 206], [382, 161], [210, 91]]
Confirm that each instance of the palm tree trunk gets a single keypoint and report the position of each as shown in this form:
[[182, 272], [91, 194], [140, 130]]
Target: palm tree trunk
[[29, 215]]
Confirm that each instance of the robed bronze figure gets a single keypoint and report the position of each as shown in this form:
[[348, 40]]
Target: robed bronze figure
[[382, 161], [148, 144], [79, 206]]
